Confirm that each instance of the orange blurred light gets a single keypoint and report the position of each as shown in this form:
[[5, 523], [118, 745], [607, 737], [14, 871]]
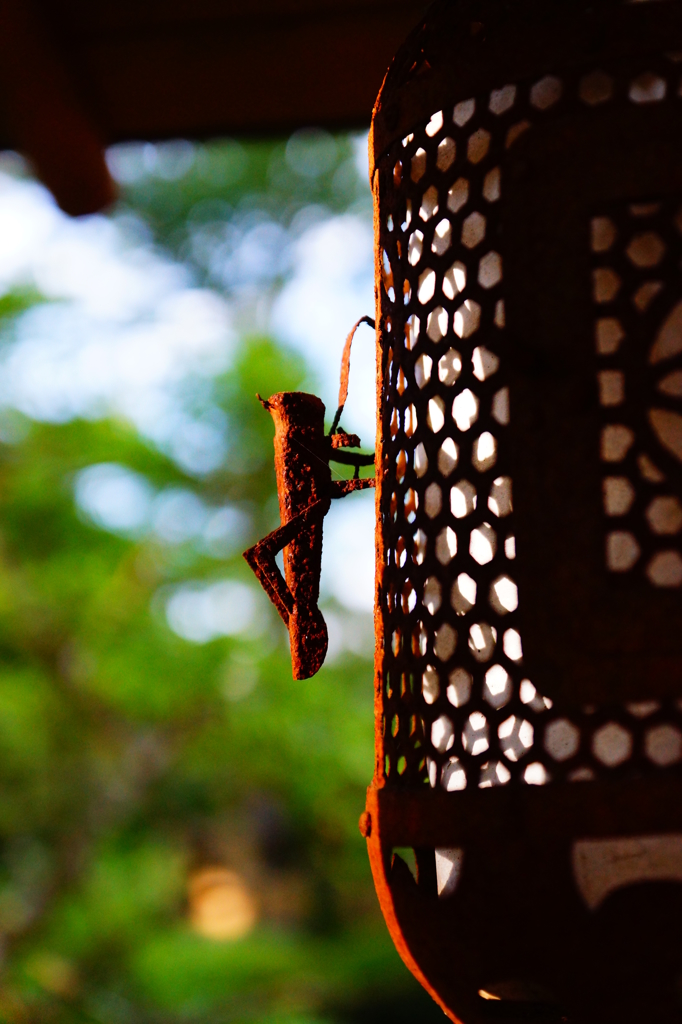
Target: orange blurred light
[[220, 904]]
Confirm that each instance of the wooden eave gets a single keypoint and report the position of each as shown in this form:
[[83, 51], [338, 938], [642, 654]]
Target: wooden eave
[[77, 75]]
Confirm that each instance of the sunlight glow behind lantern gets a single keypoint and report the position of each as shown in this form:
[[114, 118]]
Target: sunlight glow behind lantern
[[527, 176]]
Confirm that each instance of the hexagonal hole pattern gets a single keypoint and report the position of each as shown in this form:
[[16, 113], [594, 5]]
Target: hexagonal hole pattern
[[622, 551], [446, 545], [435, 124], [608, 335], [545, 93], [458, 195], [415, 247], [562, 739], [612, 744], [502, 100], [475, 734], [430, 685], [445, 642], [435, 416], [606, 284], [460, 683], [465, 409], [429, 206], [418, 165], [493, 773], [463, 112], [596, 87], [611, 387], [463, 594], [490, 270], [442, 237], [427, 286], [602, 234], [478, 146], [485, 363], [484, 454], [665, 569], [619, 495], [422, 370], [492, 187], [449, 367], [646, 249], [647, 88], [473, 230], [663, 745], [497, 689], [433, 500], [516, 737], [504, 595], [482, 641], [483, 544], [467, 319], [454, 280], [461, 550], [437, 324], [454, 776], [500, 498], [448, 456], [446, 154], [664, 515], [442, 734]]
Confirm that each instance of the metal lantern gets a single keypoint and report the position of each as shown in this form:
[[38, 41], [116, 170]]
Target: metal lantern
[[525, 820]]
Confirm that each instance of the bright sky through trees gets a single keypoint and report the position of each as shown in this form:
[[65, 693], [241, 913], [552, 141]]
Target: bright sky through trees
[[127, 324], [178, 818]]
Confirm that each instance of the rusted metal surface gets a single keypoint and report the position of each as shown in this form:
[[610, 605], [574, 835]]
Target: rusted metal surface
[[305, 488], [527, 174]]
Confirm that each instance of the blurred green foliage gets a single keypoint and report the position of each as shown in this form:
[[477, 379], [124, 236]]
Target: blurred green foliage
[[132, 759], [197, 200]]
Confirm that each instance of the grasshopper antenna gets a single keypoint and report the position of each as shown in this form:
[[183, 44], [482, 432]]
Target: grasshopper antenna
[[345, 369]]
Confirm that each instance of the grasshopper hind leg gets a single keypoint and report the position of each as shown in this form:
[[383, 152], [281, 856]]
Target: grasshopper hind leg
[[309, 641]]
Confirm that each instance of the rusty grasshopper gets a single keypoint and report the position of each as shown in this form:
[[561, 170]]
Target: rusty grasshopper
[[303, 453]]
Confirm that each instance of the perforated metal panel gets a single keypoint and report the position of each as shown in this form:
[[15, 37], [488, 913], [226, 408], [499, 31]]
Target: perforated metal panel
[[458, 704], [529, 277]]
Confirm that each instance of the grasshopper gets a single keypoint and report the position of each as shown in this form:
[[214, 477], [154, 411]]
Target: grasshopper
[[305, 488]]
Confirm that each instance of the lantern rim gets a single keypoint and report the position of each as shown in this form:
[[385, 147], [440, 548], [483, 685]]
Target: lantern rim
[[469, 47]]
